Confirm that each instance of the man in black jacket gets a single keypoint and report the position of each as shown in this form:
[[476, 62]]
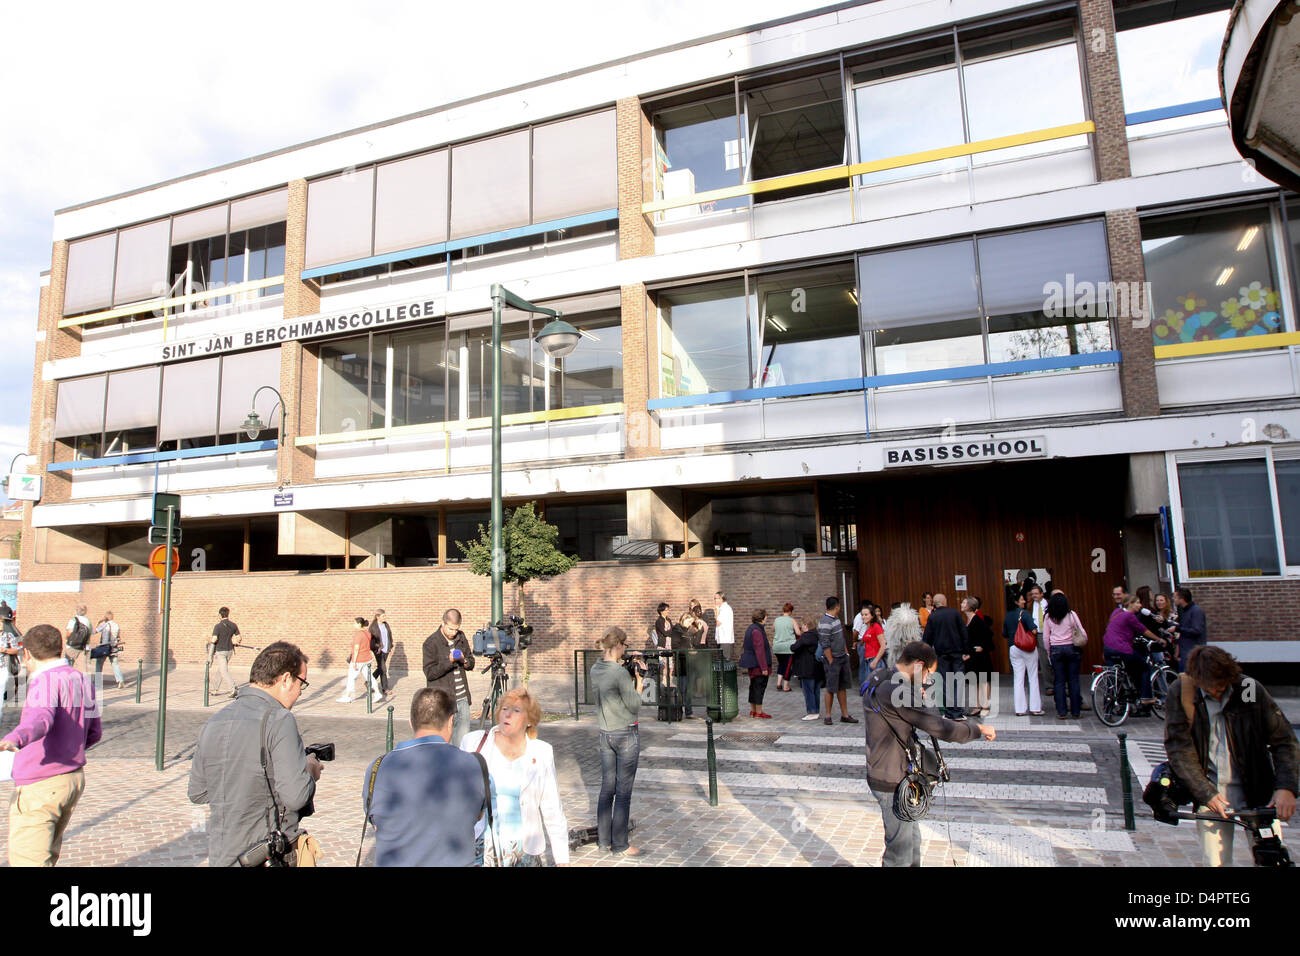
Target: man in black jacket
[[447, 657], [945, 631], [1230, 744], [381, 645], [894, 705]]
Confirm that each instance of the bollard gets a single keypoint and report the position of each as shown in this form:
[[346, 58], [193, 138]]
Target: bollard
[[713, 765], [139, 677], [207, 674], [1129, 822], [388, 746], [370, 694]]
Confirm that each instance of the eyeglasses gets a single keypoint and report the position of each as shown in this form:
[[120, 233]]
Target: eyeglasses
[[302, 680]]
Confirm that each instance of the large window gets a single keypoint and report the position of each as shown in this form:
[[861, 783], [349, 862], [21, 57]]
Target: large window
[[775, 522], [930, 307], [1228, 518], [463, 528], [697, 149], [794, 126], [588, 529], [593, 373], [345, 388], [807, 326], [1167, 58], [1213, 275], [704, 338]]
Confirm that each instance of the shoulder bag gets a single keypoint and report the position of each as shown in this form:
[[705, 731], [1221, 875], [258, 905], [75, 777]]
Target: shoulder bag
[[1078, 636], [1025, 640], [487, 792]]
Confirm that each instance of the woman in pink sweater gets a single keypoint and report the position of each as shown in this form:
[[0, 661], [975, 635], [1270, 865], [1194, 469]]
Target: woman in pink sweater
[[1058, 634]]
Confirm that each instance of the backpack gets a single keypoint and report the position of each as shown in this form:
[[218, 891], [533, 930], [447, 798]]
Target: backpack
[[80, 634]]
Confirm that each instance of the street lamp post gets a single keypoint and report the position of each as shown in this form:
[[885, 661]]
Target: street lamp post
[[253, 424], [558, 338]]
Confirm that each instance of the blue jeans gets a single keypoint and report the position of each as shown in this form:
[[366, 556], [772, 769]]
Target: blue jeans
[[1065, 668], [902, 838], [460, 723], [812, 702], [619, 750]]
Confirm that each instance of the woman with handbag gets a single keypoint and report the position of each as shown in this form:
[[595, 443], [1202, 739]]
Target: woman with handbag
[[786, 632], [108, 647], [359, 657], [807, 666], [756, 656], [980, 662], [1065, 637], [1022, 643], [526, 807]]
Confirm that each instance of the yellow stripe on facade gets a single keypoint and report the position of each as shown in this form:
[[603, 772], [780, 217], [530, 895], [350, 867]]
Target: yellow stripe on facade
[[1215, 346], [154, 305], [469, 424], [876, 165]]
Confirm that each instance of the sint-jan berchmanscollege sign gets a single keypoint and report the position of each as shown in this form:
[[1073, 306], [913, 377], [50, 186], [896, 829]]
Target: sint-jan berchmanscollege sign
[[966, 450]]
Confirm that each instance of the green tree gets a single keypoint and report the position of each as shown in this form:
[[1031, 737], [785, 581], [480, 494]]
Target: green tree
[[530, 554]]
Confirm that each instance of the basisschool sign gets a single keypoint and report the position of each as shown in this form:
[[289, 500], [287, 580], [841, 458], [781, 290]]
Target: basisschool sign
[[957, 452], [305, 328]]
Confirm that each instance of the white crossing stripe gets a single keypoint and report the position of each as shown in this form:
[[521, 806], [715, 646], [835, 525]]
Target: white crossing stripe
[[1144, 756], [955, 761], [1018, 746], [1015, 793], [1000, 844]]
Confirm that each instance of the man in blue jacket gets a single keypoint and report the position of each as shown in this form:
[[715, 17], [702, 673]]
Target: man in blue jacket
[[1191, 626]]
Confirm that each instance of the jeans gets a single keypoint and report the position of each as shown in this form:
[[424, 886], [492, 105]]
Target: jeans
[[619, 750], [812, 703], [954, 665], [381, 660], [460, 724], [1065, 668], [902, 837], [112, 659]]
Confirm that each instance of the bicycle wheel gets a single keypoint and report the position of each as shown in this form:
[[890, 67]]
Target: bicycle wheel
[[1160, 682], [1108, 702]]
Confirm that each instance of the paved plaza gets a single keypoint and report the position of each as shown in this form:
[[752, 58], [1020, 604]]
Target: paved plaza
[[791, 792]]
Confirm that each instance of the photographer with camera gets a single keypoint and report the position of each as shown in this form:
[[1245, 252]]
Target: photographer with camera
[[1230, 745], [251, 767], [895, 710], [447, 656], [617, 688]]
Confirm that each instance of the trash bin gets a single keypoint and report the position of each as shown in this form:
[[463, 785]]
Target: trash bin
[[724, 698]]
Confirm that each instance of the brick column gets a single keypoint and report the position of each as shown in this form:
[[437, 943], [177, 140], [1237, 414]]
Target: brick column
[[297, 365], [640, 379], [53, 344], [1133, 327], [635, 179], [1101, 61]]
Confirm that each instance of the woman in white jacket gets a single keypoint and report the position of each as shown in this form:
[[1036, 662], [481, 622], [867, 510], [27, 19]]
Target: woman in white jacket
[[526, 806]]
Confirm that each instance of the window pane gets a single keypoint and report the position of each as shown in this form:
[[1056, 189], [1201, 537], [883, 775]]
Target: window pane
[[589, 529], [489, 188], [809, 327], [1212, 276], [419, 376], [90, 274], [200, 224], [1171, 63], [235, 249], [222, 545], [1023, 92], [887, 110], [259, 210], [344, 386], [142, 253], [189, 401], [575, 169], [256, 253], [593, 372], [1228, 519], [921, 306], [339, 217], [411, 203], [462, 527], [698, 148], [378, 380], [702, 332], [406, 540], [80, 409], [241, 376], [771, 523], [796, 126], [1288, 497], [132, 399], [1017, 273], [274, 256], [522, 383]]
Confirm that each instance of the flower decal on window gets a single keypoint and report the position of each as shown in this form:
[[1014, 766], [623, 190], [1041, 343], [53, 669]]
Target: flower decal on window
[[1191, 302], [1255, 296], [1253, 311]]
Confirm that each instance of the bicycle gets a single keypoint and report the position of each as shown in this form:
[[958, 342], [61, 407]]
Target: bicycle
[[500, 682], [1113, 693], [1266, 844]]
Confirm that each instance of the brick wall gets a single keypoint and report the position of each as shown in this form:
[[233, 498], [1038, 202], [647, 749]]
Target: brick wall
[[1138, 369], [297, 368], [1247, 610], [640, 378], [316, 611], [1101, 63], [635, 237]]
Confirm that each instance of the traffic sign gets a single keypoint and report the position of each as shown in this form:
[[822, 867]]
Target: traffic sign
[[161, 502], [158, 561], [158, 534]]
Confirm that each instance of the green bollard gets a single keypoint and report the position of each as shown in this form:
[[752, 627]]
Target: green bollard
[[139, 677], [1129, 822], [370, 694], [389, 744], [713, 765], [207, 668]]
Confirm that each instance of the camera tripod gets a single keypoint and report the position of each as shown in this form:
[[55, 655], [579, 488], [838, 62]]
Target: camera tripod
[[500, 681]]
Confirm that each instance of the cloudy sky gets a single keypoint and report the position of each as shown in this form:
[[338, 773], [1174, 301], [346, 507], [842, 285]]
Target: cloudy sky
[[102, 98]]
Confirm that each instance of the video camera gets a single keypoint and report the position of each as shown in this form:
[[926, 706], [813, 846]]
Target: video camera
[[509, 633], [647, 663], [322, 752]]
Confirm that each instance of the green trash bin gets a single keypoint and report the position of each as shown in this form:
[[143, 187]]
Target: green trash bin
[[724, 697]]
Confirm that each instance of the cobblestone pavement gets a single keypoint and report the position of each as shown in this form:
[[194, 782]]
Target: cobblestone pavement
[[791, 792]]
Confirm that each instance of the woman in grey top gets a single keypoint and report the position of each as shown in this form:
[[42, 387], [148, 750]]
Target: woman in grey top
[[618, 700]]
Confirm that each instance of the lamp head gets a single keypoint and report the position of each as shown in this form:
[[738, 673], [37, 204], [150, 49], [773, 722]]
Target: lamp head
[[252, 425], [558, 338]]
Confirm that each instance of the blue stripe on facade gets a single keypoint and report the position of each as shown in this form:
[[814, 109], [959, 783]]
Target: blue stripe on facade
[[1169, 112], [571, 222], [151, 456], [885, 381]]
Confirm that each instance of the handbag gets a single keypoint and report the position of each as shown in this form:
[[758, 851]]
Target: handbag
[[100, 650], [1078, 635], [1024, 640]]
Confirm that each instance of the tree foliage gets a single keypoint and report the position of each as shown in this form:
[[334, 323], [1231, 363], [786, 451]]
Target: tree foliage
[[529, 545]]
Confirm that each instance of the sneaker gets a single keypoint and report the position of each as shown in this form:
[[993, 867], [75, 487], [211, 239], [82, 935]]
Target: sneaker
[[1062, 717], [846, 719], [828, 722], [810, 716]]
